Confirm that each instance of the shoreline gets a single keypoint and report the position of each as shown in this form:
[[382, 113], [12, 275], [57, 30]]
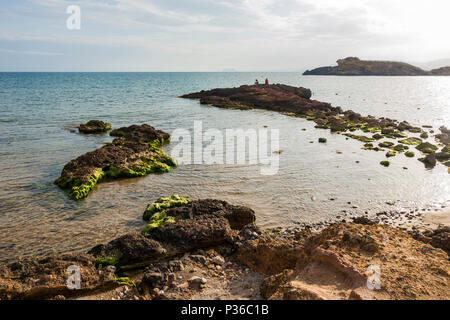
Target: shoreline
[[221, 241]]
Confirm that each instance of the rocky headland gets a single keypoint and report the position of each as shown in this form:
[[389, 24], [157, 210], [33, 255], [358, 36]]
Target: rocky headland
[[210, 249], [135, 152], [353, 66], [378, 134]]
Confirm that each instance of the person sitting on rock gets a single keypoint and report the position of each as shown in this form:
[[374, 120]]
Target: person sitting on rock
[[267, 81], [256, 82]]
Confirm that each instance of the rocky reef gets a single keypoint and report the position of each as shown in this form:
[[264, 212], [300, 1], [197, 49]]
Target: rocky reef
[[94, 126], [296, 102], [213, 249], [353, 66], [135, 153]]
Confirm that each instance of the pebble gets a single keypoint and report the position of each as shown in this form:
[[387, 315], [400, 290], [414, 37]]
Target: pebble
[[218, 260], [197, 280]]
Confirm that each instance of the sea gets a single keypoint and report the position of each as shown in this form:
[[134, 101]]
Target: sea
[[314, 183]]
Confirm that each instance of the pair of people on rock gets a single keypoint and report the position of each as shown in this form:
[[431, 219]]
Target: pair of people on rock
[[266, 82]]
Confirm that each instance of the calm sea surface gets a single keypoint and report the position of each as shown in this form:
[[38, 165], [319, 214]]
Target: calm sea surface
[[36, 110]]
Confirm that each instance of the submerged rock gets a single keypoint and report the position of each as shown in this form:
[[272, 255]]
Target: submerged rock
[[429, 161], [94, 126], [135, 154], [296, 102], [353, 66]]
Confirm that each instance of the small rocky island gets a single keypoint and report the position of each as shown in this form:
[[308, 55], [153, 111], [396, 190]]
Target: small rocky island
[[134, 153], [353, 66]]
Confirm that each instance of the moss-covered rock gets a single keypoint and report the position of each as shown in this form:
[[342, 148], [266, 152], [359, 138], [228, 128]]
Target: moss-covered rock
[[409, 154], [322, 140], [361, 138]]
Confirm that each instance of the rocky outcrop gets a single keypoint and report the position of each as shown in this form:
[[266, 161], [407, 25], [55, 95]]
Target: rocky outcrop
[[438, 238], [353, 66], [135, 153], [296, 102], [94, 126]]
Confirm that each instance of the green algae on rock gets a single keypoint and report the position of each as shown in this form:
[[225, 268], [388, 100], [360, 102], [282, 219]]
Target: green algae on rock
[[296, 102], [385, 163], [136, 154], [94, 126], [386, 144]]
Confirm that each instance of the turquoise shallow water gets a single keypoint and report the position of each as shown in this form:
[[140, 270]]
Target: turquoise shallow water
[[38, 109]]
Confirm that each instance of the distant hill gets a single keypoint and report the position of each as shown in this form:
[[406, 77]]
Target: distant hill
[[353, 66], [432, 64]]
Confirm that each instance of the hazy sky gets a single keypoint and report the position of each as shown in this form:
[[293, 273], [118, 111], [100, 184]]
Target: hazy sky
[[211, 35]]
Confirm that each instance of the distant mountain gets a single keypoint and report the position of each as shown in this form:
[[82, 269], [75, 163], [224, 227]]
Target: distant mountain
[[353, 66]]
